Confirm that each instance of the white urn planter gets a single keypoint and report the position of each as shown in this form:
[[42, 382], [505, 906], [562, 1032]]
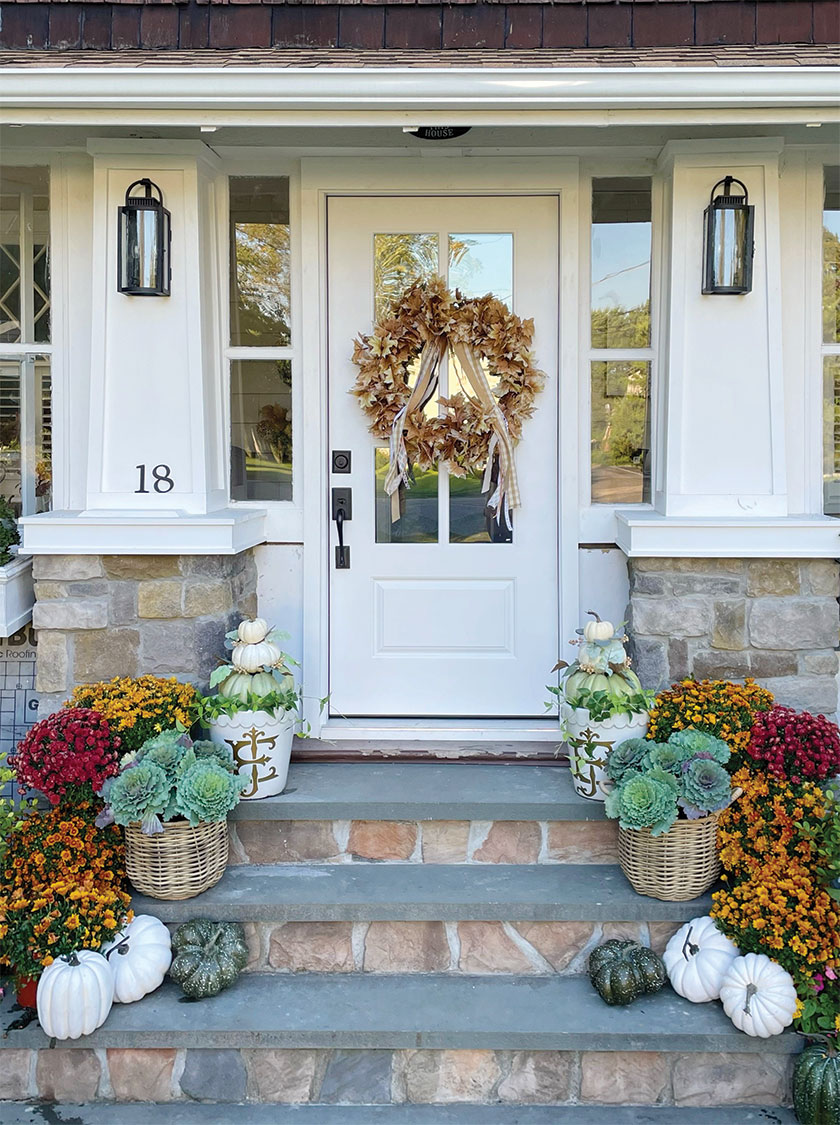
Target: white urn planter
[[590, 742], [261, 745]]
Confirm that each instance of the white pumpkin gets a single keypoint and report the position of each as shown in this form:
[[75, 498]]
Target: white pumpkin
[[758, 995], [75, 994], [252, 632], [236, 686], [139, 958], [597, 630], [696, 959], [253, 658]]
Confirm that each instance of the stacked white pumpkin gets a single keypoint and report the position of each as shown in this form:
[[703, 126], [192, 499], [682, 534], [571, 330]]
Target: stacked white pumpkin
[[257, 691], [758, 995], [76, 992]]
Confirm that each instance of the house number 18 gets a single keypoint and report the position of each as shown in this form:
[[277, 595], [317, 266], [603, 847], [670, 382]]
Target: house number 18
[[163, 481]]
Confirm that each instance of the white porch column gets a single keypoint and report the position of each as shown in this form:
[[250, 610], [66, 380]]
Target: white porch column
[[156, 378], [722, 407], [156, 425]]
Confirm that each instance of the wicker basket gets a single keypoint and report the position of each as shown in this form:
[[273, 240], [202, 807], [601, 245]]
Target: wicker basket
[[680, 864], [178, 863]]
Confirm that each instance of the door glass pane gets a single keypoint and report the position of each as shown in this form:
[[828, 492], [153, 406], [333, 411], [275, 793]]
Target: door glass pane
[[260, 258], [482, 263], [621, 432], [261, 430], [398, 261], [831, 257], [43, 436], [418, 522], [621, 210]]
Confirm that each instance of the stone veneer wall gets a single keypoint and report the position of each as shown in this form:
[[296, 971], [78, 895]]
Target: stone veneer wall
[[773, 619], [125, 615]]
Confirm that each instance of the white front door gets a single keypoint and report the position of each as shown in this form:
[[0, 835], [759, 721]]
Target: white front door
[[437, 616]]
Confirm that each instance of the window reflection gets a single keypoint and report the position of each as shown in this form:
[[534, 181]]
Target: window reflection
[[260, 255], [620, 432], [398, 261], [621, 241], [24, 256], [831, 257], [261, 430], [482, 263], [418, 505]]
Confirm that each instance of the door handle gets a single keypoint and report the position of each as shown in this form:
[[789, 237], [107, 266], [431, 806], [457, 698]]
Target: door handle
[[342, 510]]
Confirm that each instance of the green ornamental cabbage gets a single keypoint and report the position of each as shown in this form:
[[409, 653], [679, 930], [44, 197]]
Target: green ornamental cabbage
[[705, 786], [139, 793], [627, 755], [698, 744], [665, 757], [215, 752], [207, 792], [644, 800]]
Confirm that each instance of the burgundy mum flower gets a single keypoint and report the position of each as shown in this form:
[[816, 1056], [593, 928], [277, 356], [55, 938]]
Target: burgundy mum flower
[[67, 750], [797, 747]]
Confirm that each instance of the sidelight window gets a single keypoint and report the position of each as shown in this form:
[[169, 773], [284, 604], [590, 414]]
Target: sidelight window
[[831, 340]]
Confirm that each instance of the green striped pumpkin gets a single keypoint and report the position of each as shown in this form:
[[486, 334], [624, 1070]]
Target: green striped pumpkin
[[816, 1085]]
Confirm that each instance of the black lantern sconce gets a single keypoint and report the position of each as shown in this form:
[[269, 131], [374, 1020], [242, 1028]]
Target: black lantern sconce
[[143, 237], [728, 245]]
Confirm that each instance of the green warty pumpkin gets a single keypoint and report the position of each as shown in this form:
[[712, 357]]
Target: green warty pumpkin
[[816, 1085], [209, 956], [621, 971]]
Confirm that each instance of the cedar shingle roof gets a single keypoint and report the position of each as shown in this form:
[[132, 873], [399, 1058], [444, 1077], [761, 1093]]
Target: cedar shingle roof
[[797, 55]]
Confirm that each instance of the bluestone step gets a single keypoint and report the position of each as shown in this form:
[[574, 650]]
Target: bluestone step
[[197, 1113], [423, 791], [369, 1011], [423, 892]]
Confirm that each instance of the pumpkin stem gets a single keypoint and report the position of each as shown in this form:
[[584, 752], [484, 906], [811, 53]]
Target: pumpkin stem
[[122, 949], [592, 613], [71, 959], [751, 991], [689, 945]]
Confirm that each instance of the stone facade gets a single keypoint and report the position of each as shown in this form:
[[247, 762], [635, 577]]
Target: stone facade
[[369, 1077], [773, 619], [125, 615]]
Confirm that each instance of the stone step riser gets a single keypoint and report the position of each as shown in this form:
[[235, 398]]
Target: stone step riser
[[470, 947], [424, 841], [359, 1077]]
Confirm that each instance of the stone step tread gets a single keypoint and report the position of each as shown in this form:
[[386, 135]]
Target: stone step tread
[[202, 1113], [368, 1011], [423, 791], [369, 892]]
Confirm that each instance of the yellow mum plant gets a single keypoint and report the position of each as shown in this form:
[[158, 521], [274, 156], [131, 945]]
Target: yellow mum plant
[[138, 709]]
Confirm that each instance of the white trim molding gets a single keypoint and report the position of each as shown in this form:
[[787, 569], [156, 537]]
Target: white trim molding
[[459, 95], [670, 537], [224, 532]]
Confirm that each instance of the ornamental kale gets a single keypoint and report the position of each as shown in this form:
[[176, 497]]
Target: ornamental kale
[[664, 756], [628, 755], [699, 744], [644, 800], [705, 786], [207, 792], [658, 781], [140, 792], [170, 777]]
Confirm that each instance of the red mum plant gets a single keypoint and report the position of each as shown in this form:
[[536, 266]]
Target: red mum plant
[[795, 746], [69, 753]]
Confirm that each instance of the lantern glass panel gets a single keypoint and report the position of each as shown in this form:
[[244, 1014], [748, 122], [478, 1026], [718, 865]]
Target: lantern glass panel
[[143, 267], [731, 248]]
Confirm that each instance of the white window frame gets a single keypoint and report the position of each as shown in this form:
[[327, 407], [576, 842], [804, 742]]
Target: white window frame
[[598, 521], [284, 518], [823, 350]]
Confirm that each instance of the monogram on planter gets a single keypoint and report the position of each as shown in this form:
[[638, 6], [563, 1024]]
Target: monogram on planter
[[601, 704], [255, 710]]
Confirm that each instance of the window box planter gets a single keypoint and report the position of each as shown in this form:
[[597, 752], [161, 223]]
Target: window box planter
[[17, 595]]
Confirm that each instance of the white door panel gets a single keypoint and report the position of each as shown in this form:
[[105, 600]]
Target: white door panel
[[433, 619]]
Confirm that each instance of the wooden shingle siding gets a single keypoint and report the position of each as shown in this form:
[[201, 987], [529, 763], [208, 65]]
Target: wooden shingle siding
[[426, 26]]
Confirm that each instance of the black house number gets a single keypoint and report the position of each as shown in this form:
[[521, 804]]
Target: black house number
[[163, 482]]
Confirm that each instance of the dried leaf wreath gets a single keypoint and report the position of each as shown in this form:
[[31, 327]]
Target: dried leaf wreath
[[477, 427]]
